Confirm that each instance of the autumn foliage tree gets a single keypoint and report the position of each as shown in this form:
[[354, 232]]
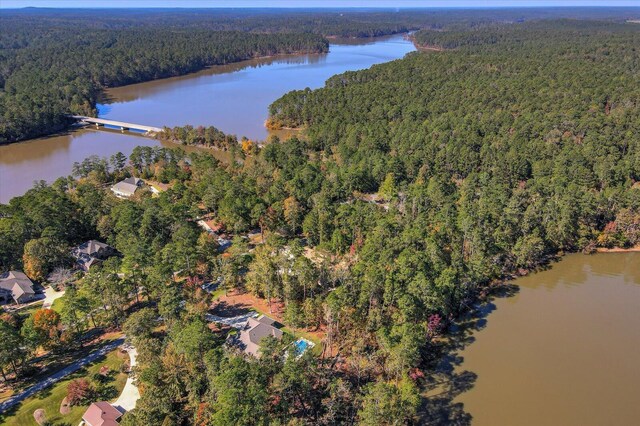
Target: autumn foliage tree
[[248, 146], [46, 323], [42, 255], [79, 391], [623, 231]]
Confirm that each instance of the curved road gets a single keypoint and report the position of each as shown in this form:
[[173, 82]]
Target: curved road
[[57, 376]]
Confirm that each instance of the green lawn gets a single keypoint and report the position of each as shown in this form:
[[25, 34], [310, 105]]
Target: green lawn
[[217, 293], [58, 304], [25, 312], [51, 398]]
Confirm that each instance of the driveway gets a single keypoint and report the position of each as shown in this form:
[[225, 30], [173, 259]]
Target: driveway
[[57, 376], [49, 296], [130, 393], [238, 322]]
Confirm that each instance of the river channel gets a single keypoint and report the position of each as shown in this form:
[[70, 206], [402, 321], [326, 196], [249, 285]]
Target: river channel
[[564, 350], [234, 98]]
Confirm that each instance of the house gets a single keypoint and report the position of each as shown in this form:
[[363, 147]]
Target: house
[[16, 286], [156, 187], [252, 334], [213, 227], [126, 188], [91, 253], [101, 414]]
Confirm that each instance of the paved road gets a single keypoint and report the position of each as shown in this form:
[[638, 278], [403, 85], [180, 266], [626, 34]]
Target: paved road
[[238, 322], [55, 377]]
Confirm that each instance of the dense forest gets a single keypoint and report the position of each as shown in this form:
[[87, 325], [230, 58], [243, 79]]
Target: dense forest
[[201, 136], [339, 22], [56, 62], [415, 186], [63, 71], [458, 35], [532, 119]]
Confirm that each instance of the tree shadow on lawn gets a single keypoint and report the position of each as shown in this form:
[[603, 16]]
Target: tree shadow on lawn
[[443, 383], [55, 360], [224, 309], [47, 392]]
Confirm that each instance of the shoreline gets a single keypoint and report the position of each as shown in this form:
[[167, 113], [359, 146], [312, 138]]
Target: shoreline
[[213, 66], [103, 95], [60, 142], [429, 48], [425, 47], [634, 249]]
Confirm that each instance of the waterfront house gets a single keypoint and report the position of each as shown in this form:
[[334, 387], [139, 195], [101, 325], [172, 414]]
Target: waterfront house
[[126, 188], [16, 286], [252, 334], [91, 253], [101, 414]]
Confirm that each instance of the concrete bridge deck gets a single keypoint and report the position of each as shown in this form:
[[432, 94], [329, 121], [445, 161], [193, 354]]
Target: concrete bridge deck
[[118, 124]]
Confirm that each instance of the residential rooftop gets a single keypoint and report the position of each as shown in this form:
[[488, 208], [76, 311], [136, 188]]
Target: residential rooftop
[[255, 331], [17, 286]]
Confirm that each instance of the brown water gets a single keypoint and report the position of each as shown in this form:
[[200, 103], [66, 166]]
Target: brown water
[[565, 350], [234, 98]]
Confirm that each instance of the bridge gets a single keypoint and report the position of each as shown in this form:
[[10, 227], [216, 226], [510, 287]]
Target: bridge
[[101, 122]]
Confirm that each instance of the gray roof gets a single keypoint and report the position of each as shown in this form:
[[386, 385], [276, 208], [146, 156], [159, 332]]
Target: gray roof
[[256, 330], [17, 283], [91, 247], [133, 181], [91, 252], [128, 186]]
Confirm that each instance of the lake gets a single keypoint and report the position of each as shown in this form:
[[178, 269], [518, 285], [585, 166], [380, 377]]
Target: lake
[[233, 98], [563, 350]]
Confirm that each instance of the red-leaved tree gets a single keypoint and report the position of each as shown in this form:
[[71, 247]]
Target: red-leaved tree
[[79, 391]]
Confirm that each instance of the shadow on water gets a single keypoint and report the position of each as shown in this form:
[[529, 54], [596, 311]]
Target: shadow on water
[[68, 131], [443, 384]]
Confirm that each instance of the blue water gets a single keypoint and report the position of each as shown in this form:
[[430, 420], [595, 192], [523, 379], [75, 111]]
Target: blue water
[[301, 346], [236, 98]]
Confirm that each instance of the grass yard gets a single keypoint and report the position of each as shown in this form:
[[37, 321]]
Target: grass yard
[[249, 302], [26, 311], [296, 333], [51, 398], [58, 304], [217, 293]]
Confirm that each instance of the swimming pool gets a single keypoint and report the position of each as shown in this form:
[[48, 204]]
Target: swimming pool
[[302, 345]]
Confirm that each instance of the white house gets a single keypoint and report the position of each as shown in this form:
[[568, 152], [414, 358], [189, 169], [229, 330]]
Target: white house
[[127, 187]]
